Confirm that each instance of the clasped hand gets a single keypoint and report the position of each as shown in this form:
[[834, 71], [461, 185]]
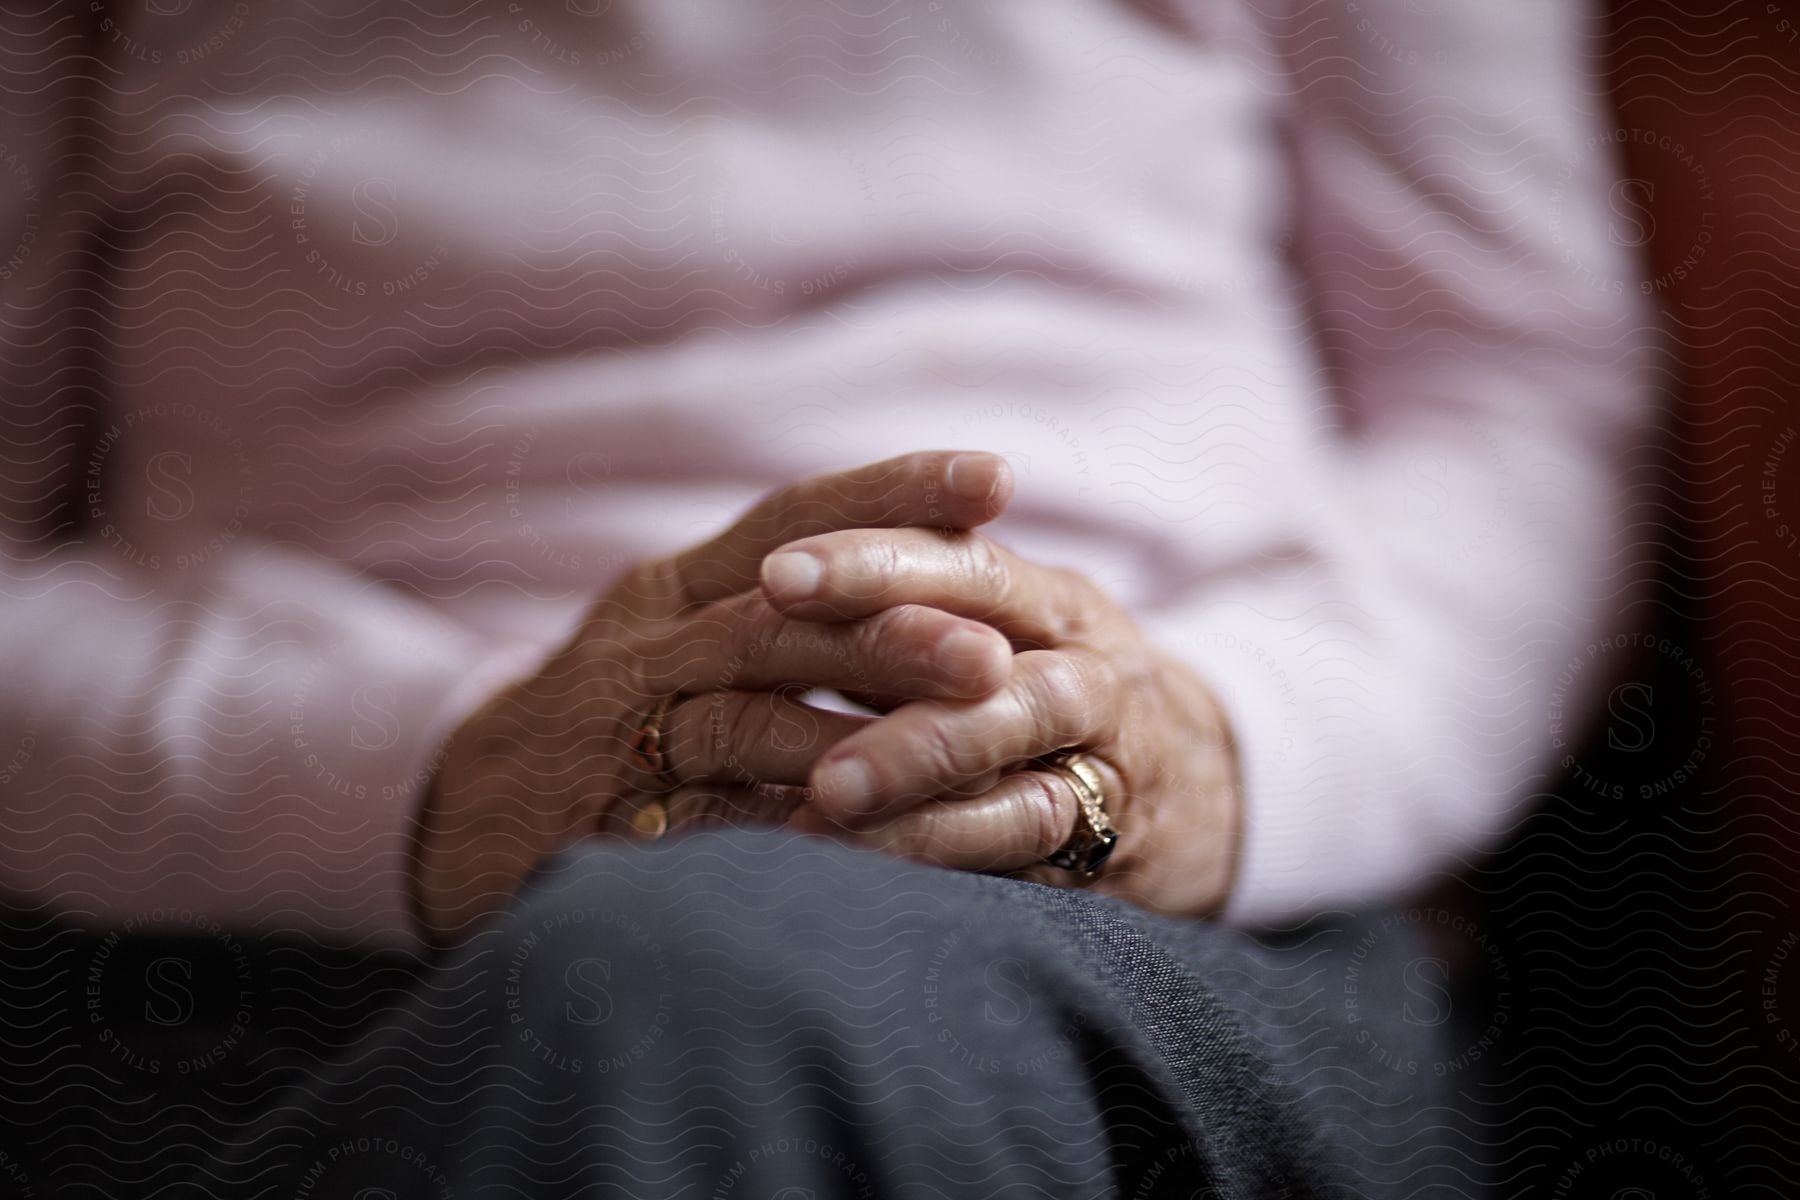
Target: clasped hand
[[876, 583]]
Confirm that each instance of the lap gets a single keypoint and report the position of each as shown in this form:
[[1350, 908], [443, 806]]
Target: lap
[[730, 1013]]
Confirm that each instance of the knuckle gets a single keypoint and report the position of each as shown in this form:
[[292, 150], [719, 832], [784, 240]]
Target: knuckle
[[1077, 600], [1047, 811], [989, 573], [902, 620], [745, 608], [944, 746], [857, 569], [880, 566], [751, 619], [1102, 687], [742, 624], [644, 658], [1062, 693], [739, 722], [900, 633]]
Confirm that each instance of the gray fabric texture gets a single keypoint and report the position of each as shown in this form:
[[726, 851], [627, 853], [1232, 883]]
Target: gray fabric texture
[[741, 1014]]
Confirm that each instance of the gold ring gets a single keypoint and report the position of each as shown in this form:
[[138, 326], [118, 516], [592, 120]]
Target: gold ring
[[650, 819], [649, 747], [1092, 841]]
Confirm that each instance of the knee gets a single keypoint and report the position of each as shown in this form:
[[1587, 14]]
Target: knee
[[755, 882], [618, 955], [634, 952], [673, 887]]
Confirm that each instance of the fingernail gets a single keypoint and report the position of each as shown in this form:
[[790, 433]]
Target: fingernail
[[792, 575], [847, 784], [966, 652], [971, 476]]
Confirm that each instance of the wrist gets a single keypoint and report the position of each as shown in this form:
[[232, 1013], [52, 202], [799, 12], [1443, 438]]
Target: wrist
[[520, 778], [1214, 778]]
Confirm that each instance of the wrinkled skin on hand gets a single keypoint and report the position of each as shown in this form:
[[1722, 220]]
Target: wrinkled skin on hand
[[978, 661], [952, 780]]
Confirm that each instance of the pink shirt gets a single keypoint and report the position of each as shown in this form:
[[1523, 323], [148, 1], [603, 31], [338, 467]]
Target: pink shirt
[[356, 352]]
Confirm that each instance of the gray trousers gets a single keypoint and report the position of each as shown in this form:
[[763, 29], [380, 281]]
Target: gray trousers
[[743, 1014], [738, 1014]]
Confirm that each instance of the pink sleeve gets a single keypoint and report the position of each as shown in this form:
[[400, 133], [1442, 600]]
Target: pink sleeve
[[245, 744], [241, 741], [1405, 663]]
